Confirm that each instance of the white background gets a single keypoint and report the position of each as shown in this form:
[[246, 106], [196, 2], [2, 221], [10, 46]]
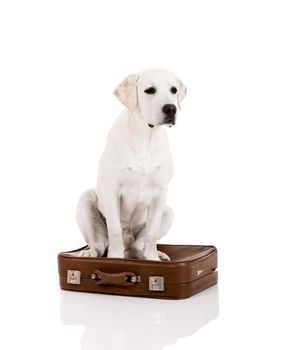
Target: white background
[[60, 61]]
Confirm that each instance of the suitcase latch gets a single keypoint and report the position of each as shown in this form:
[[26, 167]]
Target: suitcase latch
[[156, 283], [73, 277]]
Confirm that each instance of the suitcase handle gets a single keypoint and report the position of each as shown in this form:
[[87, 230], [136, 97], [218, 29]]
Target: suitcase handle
[[116, 279]]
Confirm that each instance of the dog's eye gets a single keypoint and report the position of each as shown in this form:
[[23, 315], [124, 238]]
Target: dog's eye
[[150, 91], [173, 90]]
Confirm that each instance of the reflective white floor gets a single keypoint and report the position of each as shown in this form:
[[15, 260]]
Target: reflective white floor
[[136, 323]]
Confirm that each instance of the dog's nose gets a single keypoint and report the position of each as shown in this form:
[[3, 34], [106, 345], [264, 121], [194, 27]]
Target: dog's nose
[[169, 110], [170, 114]]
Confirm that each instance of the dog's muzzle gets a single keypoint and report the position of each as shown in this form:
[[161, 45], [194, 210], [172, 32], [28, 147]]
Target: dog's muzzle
[[169, 121], [169, 111]]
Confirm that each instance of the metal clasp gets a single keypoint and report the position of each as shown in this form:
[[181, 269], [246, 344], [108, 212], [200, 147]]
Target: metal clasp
[[133, 279], [73, 277], [157, 283]]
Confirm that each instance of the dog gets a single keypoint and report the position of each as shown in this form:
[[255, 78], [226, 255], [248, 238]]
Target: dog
[[126, 213]]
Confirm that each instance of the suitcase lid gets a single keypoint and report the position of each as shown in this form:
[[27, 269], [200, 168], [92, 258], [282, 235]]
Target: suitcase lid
[[186, 252]]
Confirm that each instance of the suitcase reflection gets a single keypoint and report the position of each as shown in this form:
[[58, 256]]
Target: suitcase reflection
[[120, 322]]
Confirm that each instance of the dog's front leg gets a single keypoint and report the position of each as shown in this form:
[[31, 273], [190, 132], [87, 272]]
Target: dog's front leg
[[153, 224], [112, 214]]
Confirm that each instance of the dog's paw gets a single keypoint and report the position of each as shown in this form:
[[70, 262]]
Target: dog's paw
[[89, 253], [163, 256], [152, 255]]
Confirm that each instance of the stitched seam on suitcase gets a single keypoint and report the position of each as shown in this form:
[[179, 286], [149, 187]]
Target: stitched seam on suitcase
[[144, 283]]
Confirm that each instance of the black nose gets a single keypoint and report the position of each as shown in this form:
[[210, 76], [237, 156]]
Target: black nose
[[170, 114], [169, 110]]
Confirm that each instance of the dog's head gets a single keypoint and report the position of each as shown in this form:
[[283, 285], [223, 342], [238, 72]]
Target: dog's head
[[153, 95]]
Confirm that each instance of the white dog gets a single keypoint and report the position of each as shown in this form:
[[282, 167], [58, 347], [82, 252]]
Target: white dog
[[126, 213]]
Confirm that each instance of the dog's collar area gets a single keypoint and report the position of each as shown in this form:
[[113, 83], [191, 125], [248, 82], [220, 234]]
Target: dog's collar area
[[150, 125]]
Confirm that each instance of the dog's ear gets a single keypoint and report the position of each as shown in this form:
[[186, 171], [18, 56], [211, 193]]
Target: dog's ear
[[126, 92], [181, 92]]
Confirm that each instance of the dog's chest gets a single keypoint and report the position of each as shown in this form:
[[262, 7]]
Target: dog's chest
[[137, 190], [145, 171], [140, 183]]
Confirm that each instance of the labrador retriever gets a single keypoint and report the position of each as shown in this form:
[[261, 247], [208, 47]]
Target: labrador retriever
[[126, 213]]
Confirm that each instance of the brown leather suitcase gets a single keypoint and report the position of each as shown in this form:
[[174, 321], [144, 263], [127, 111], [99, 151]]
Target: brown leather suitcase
[[192, 269]]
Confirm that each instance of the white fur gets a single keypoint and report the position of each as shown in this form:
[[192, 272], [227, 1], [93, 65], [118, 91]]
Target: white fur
[[134, 170]]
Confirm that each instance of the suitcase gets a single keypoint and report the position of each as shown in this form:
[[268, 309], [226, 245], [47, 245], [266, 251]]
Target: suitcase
[[192, 269]]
